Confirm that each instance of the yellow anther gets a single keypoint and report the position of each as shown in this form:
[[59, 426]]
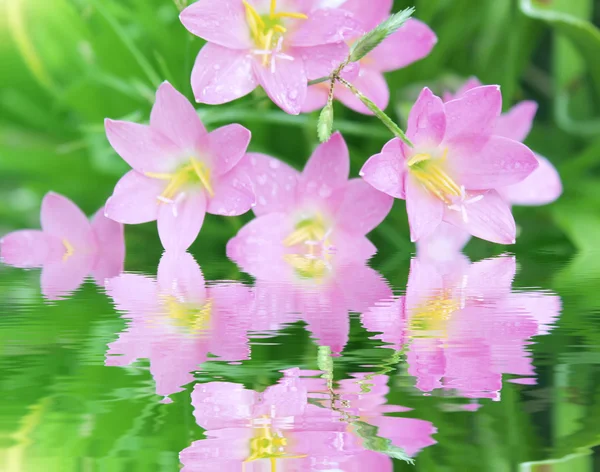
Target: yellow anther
[[268, 444], [430, 173], [203, 174], [69, 249], [156, 175], [287, 14], [273, 7], [280, 29], [193, 317], [418, 158]]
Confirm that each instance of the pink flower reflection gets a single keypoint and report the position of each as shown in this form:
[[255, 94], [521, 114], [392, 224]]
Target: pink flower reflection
[[464, 326], [68, 248], [281, 430], [176, 320]]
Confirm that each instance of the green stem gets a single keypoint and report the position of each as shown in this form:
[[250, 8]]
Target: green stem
[[319, 81], [379, 113]]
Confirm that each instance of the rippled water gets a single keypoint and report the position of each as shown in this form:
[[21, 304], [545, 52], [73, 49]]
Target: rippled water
[[456, 365]]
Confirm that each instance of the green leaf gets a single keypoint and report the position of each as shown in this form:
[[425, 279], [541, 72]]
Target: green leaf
[[325, 125], [373, 442], [373, 38]]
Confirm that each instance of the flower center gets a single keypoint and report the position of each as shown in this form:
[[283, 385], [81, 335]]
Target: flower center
[[433, 314], [194, 317], [268, 444], [268, 31], [312, 237], [193, 172], [69, 249], [430, 173]]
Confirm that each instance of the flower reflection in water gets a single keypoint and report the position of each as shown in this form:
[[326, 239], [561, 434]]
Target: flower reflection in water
[[463, 325], [291, 426], [176, 319]]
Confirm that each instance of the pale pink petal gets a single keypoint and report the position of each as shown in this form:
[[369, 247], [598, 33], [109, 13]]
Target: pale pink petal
[[223, 22], [220, 405], [326, 26], [412, 42], [444, 243], [228, 145], [424, 210], [362, 287], [386, 172], [176, 118], [327, 169], [363, 208], [60, 279], [389, 320], [349, 248], [426, 361], [499, 163], [327, 318], [365, 460], [224, 453], [543, 186], [274, 183], [258, 247], [135, 199], [490, 279], [142, 147], [316, 97], [517, 122], [134, 295], [63, 219], [427, 121], [110, 257], [369, 13], [320, 61], [471, 118], [179, 223], [180, 275], [372, 84], [489, 218], [410, 434], [287, 398], [286, 84], [233, 194], [543, 307], [424, 283], [30, 248], [221, 75], [471, 83]]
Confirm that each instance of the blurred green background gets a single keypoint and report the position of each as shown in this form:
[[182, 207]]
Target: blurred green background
[[68, 64]]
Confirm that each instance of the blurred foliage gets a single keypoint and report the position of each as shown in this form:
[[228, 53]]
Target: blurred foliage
[[68, 64]]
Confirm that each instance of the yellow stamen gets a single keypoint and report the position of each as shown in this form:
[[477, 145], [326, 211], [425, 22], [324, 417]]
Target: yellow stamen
[[433, 314], [280, 29], [69, 249], [273, 7], [287, 14], [268, 444], [194, 317], [156, 175], [203, 174], [417, 158], [431, 175]]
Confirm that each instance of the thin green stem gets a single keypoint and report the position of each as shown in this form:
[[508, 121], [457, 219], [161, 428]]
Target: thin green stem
[[379, 113], [319, 81]]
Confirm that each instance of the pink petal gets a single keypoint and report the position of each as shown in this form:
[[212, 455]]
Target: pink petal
[[258, 247], [176, 118], [326, 26], [320, 61], [142, 147], [444, 243], [221, 75], [471, 118], [369, 13], [372, 84], [410, 434], [234, 194], [134, 199], [517, 122], [30, 248], [228, 145], [543, 186], [180, 275], [350, 248], [219, 405], [111, 247], [286, 85], [388, 319], [424, 284], [179, 228], [499, 163], [64, 220], [363, 208], [316, 98], [386, 172], [59, 279], [427, 120], [274, 183], [490, 218], [471, 83], [412, 42], [491, 279], [223, 22], [134, 295], [424, 210], [326, 170], [362, 286], [543, 307]]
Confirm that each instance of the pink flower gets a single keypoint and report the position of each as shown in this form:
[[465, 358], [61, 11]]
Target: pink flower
[[180, 172], [543, 186], [277, 45], [455, 167], [464, 326], [175, 320], [274, 430], [68, 248], [412, 42]]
